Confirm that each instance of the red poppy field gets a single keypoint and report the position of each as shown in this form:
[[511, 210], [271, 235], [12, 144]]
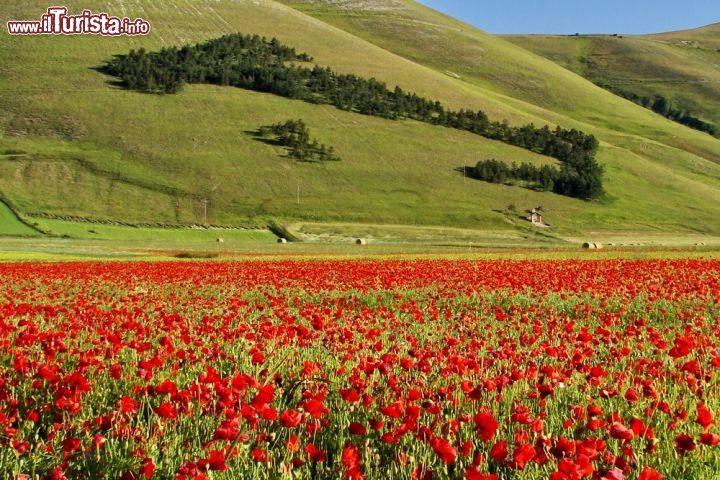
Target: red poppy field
[[418, 369]]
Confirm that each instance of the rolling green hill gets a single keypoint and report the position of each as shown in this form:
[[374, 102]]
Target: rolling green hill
[[74, 144], [680, 66]]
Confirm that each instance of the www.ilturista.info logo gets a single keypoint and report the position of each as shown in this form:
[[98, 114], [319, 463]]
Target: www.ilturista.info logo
[[57, 22]]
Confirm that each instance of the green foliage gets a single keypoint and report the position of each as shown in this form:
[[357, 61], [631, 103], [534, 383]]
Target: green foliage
[[579, 176], [243, 61], [542, 178], [295, 135], [258, 64], [492, 171], [662, 106]]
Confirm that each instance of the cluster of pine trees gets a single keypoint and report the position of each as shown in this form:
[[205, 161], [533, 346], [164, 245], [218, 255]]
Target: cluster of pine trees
[[255, 63], [662, 106], [295, 135], [244, 61], [565, 180]]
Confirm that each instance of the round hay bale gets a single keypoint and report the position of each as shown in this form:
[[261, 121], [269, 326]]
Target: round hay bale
[[282, 240], [360, 241], [220, 240], [598, 245], [588, 246]]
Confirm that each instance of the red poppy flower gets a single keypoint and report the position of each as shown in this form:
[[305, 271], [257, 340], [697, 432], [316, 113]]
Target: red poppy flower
[[290, 418], [21, 447], [485, 426], [315, 408], [354, 474], [58, 473], [710, 439], [267, 412], [128, 405], [166, 410], [704, 417], [389, 438], [315, 454], [259, 455], [446, 452], [349, 395], [357, 428], [466, 448], [350, 457], [148, 468], [166, 387], [473, 473], [594, 410], [684, 443], [681, 348], [632, 395], [376, 423], [265, 395], [70, 444], [522, 454], [499, 451], [572, 470], [620, 431], [216, 461], [393, 411], [563, 447], [228, 430], [648, 473]]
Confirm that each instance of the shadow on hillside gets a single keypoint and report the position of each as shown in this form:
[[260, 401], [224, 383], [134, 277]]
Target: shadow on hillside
[[511, 214], [258, 137], [275, 142], [465, 171], [116, 82], [105, 70]]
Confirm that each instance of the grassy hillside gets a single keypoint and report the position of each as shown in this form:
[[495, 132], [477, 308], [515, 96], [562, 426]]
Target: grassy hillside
[[681, 66], [11, 224], [533, 84], [73, 144]]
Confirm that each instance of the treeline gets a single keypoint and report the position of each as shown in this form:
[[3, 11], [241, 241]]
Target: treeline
[[295, 135], [566, 180], [244, 61], [662, 106], [255, 63]]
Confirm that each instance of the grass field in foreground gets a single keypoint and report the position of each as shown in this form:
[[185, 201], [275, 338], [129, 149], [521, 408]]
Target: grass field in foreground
[[336, 241], [121, 233]]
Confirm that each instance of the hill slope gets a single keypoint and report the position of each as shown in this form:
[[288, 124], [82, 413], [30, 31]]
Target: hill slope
[[680, 66], [74, 144]]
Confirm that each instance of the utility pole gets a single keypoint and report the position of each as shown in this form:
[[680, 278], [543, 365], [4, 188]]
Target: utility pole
[[205, 202]]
